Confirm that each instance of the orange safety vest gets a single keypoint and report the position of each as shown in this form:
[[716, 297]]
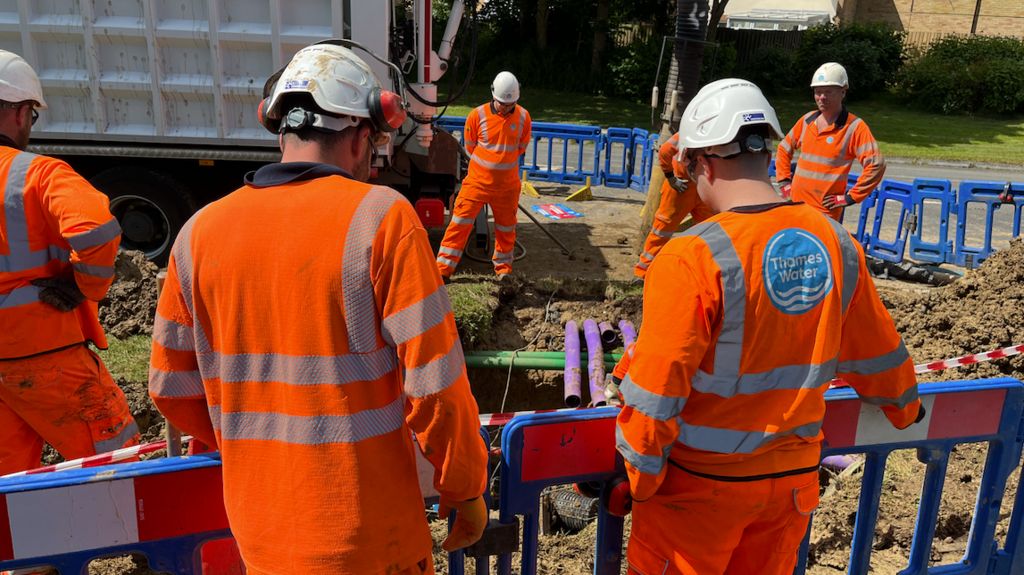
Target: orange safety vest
[[55, 225], [304, 330], [747, 317], [495, 144], [826, 157]]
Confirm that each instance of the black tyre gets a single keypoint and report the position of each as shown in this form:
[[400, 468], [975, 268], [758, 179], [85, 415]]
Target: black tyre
[[150, 206]]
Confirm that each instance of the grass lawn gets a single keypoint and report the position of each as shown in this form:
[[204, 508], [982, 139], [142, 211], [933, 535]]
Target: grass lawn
[[128, 358], [901, 131]]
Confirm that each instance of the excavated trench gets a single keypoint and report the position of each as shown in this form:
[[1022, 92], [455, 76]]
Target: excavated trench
[[982, 311]]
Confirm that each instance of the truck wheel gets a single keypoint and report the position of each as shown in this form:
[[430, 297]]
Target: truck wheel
[[150, 206]]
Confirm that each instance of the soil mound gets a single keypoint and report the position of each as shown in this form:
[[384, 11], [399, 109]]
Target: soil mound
[[130, 304], [981, 312]]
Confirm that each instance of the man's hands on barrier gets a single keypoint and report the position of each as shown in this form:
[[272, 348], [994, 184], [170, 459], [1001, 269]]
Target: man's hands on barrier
[[831, 202], [470, 521], [62, 294]]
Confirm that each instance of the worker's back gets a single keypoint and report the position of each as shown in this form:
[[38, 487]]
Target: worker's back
[[775, 286], [48, 212], [304, 391]]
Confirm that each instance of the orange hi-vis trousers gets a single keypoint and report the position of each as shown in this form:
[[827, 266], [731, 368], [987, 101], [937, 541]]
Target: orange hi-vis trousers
[[65, 398], [700, 526], [455, 237], [672, 210]]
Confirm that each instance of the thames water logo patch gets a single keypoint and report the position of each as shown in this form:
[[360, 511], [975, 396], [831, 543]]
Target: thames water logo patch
[[797, 271]]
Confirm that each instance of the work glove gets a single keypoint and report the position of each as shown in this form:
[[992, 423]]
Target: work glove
[[786, 190], [678, 184], [832, 202], [59, 293], [470, 521]]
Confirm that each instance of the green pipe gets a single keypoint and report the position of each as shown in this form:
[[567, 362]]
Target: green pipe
[[546, 360]]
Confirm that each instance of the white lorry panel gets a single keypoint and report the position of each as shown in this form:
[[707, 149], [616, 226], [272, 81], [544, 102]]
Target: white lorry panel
[[172, 72]]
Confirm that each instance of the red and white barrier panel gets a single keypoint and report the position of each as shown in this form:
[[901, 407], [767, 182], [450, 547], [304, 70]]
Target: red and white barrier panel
[[116, 456], [147, 508], [852, 423], [968, 359]]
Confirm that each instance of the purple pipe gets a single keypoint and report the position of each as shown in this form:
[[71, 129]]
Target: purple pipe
[[628, 332], [595, 362], [572, 365], [608, 335]]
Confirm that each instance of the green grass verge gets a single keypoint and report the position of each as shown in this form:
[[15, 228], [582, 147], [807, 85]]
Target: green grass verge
[[902, 132], [564, 107], [128, 358], [474, 300]]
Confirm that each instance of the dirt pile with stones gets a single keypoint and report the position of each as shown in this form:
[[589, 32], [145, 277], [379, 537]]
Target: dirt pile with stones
[[130, 304]]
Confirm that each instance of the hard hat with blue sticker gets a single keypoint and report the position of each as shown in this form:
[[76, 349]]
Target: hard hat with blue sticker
[[797, 271]]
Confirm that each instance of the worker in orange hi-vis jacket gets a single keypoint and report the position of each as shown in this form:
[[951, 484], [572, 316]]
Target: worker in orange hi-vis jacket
[[678, 199], [58, 243], [304, 331], [829, 140], [747, 318], [496, 136]]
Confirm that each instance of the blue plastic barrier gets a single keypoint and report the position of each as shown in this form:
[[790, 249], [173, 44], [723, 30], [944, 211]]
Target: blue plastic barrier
[[929, 192], [645, 148], [986, 194], [891, 195], [570, 168], [548, 449], [618, 141], [454, 125]]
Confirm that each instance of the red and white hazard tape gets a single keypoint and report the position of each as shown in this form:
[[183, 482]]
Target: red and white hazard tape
[[968, 359], [116, 456], [495, 419]]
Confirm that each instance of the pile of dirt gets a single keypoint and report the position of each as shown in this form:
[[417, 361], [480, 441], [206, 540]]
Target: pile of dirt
[[130, 304], [981, 312]]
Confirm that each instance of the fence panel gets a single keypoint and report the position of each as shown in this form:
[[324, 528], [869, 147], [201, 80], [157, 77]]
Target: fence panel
[[618, 159], [892, 205], [982, 200], [932, 201]]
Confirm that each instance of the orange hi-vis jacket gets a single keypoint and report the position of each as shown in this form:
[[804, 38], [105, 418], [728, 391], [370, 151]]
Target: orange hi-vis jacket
[[747, 317], [304, 330], [54, 224], [826, 157], [495, 143]]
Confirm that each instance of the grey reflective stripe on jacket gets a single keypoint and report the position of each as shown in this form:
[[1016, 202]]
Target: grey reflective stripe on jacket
[[851, 262], [309, 430], [20, 256], [718, 440], [118, 441], [649, 464], [361, 314]]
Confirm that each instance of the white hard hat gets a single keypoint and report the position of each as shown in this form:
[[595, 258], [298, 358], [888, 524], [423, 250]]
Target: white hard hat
[[505, 88], [718, 111], [830, 74], [18, 81], [338, 81]]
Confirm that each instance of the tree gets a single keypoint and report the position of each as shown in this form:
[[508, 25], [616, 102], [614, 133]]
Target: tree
[[684, 80], [717, 11], [542, 24], [600, 37]]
